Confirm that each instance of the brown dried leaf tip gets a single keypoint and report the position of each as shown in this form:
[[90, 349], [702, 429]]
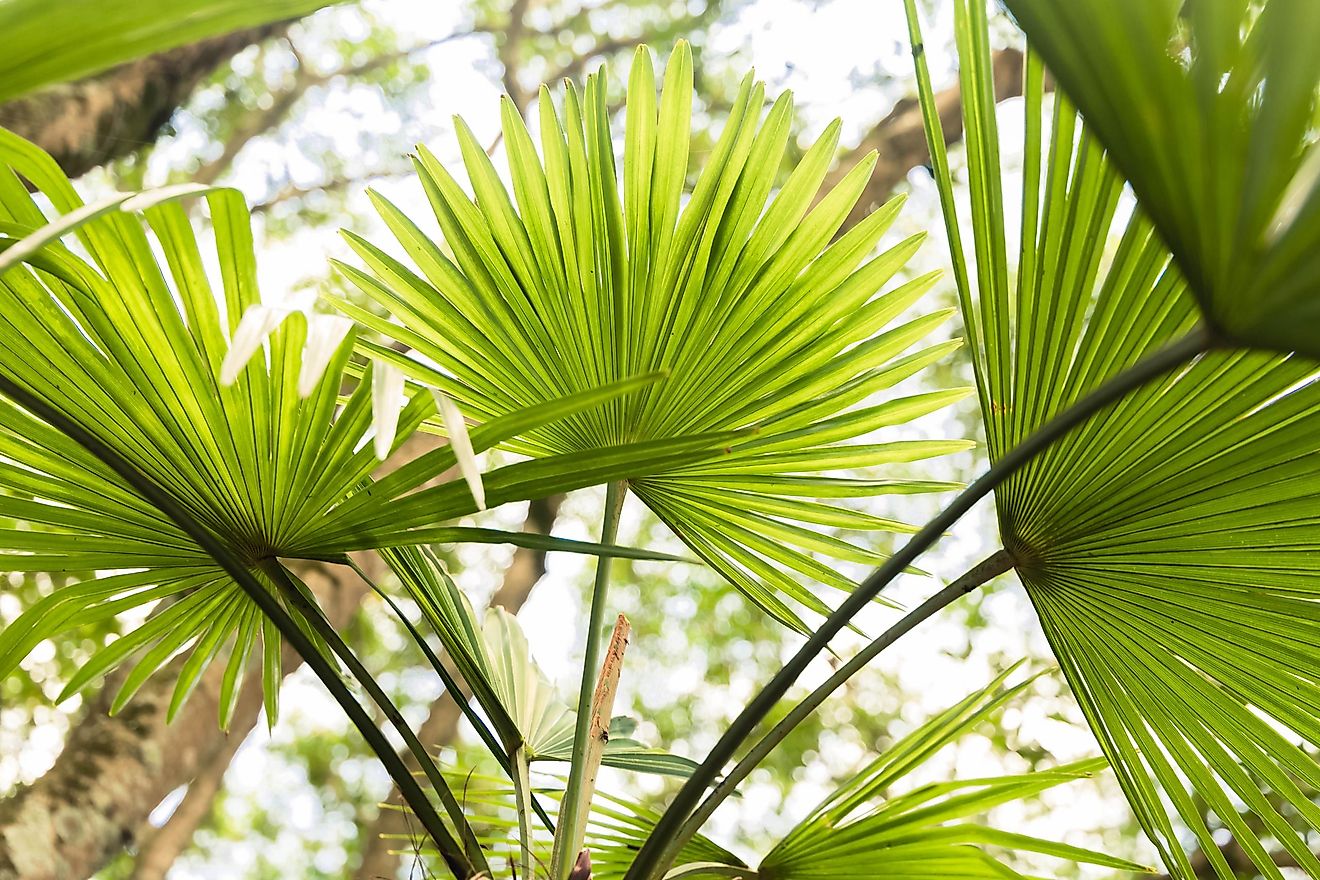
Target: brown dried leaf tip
[[582, 867]]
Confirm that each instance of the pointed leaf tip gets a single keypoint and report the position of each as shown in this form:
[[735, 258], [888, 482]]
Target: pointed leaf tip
[[386, 401], [257, 323], [461, 443], [325, 333]]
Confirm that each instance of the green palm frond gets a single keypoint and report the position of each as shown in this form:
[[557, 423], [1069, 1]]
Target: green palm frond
[[1169, 544], [129, 348], [619, 826], [616, 828], [43, 43], [764, 315], [863, 830], [1210, 111], [494, 661]]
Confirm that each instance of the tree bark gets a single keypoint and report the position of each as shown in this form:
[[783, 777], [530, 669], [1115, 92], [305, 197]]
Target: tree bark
[[87, 123], [379, 860]]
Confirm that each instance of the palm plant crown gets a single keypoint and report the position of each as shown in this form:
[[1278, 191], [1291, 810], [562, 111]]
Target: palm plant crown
[[765, 323]]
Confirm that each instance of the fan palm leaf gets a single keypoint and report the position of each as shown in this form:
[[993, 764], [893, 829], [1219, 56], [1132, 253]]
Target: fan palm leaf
[[863, 830], [1209, 110], [1169, 542], [761, 310], [124, 338]]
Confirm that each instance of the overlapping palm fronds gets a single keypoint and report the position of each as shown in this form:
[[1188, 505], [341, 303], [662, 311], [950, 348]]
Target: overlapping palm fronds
[[868, 828], [589, 271], [121, 338], [1209, 109], [1170, 542]]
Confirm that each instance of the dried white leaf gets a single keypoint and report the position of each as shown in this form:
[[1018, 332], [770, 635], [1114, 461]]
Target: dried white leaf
[[325, 333], [386, 401], [456, 428], [258, 322]]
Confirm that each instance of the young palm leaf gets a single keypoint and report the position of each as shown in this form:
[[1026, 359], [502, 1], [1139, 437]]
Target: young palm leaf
[[1209, 109], [766, 319], [1168, 543], [128, 351], [494, 661]]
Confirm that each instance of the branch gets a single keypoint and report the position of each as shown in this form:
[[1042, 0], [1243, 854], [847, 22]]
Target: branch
[[292, 192], [253, 126], [507, 46], [285, 100], [606, 46], [114, 114], [900, 139], [603, 47]]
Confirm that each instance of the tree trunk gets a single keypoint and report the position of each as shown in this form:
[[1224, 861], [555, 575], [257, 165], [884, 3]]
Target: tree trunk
[[114, 770], [93, 121]]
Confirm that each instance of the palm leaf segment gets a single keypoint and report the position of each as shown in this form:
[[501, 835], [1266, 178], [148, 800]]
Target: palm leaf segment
[[762, 322], [130, 349], [1210, 111], [1169, 544]]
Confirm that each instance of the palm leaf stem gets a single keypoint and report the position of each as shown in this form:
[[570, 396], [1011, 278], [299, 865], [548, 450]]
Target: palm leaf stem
[[298, 599], [989, 568], [572, 810], [648, 863], [524, 802], [453, 854], [460, 696]]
